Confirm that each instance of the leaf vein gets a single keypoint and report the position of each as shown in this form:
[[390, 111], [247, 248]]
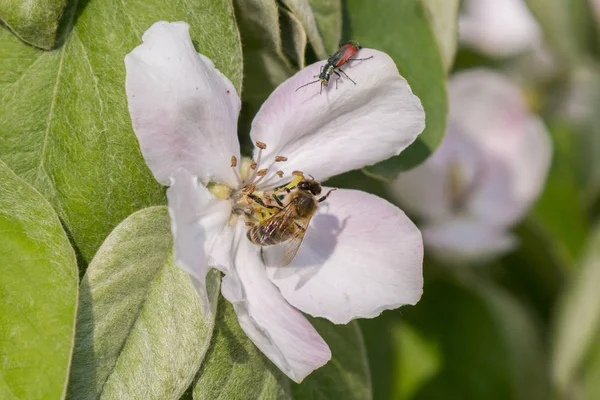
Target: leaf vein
[[51, 112]]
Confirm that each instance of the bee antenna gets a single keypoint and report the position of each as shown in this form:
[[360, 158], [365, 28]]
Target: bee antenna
[[311, 177], [306, 84]]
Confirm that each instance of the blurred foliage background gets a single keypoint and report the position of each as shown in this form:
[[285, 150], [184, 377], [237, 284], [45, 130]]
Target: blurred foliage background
[[521, 326]]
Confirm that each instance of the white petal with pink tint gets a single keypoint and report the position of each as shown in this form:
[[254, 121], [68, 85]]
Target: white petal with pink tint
[[280, 331], [498, 27], [425, 191], [184, 111], [515, 145], [341, 129], [360, 255], [197, 221], [466, 241]]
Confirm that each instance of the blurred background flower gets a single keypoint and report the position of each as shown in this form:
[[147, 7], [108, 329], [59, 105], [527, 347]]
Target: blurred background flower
[[482, 180]]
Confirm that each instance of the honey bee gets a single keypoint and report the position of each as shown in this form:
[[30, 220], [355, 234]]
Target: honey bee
[[288, 224]]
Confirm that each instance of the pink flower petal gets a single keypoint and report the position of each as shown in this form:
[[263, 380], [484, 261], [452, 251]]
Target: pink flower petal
[[343, 128], [197, 222], [499, 28], [361, 255], [184, 111], [465, 241], [280, 331]]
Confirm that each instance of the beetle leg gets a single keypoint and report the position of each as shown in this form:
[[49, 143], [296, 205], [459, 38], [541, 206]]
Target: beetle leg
[[359, 59], [337, 79], [346, 75]]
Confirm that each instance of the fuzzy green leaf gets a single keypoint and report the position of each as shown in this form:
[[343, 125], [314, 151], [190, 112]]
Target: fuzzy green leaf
[[38, 294], [35, 22], [302, 10], [265, 61], [234, 368], [141, 328], [444, 19], [294, 37], [64, 123], [346, 375], [402, 29], [328, 14]]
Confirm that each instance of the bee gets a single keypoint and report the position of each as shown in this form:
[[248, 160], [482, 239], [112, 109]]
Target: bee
[[287, 226]]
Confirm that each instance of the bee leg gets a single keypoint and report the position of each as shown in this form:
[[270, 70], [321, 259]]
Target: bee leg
[[346, 75], [323, 198], [278, 201], [260, 202]]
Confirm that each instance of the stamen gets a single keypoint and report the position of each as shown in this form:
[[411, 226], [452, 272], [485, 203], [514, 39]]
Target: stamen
[[280, 158], [262, 172], [249, 189], [235, 171], [253, 165], [269, 179], [297, 173], [261, 145]]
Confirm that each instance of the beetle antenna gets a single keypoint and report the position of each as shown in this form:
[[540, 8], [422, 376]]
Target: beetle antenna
[[306, 84]]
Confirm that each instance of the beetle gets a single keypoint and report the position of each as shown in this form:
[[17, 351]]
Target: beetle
[[334, 63]]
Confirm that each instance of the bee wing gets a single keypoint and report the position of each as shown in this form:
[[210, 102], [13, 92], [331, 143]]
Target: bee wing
[[276, 223], [289, 248]]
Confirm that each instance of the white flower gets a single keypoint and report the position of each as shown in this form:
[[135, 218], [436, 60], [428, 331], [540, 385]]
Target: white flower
[[490, 167], [499, 28], [350, 264]]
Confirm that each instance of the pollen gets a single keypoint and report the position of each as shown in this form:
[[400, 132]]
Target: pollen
[[280, 158]]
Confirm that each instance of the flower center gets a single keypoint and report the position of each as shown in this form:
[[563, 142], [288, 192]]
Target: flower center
[[248, 199], [460, 187]]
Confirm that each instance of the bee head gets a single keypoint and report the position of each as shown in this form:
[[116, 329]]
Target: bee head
[[310, 186]]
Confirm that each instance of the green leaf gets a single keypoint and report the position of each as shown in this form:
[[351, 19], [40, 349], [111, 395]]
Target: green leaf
[[234, 368], [64, 123], [35, 22], [589, 388], [536, 270], [443, 15], [490, 346], [142, 331], [38, 294], [561, 208], [295, 40], [265, 62], [577, 320], [328, 14], [302, 10], [588, 138], [567, 27], [346, 375], [402, 29]]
